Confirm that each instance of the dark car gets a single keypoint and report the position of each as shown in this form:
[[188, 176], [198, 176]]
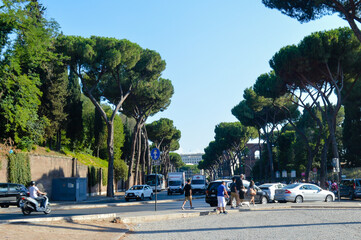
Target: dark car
[[11, 193], [211, 193], [350, 188]]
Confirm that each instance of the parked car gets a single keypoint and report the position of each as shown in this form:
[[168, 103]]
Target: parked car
[[350, 188], [270, 189], [139, 192], [11, 193], [211, 193], [300, 192]]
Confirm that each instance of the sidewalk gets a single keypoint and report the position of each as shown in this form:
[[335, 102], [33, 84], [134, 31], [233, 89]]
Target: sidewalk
[[116, 226]]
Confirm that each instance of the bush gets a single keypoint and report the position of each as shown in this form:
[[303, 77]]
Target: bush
[[19, 168], [105, 176]]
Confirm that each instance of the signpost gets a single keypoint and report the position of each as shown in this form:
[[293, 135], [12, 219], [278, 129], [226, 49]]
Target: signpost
[[155, 154]]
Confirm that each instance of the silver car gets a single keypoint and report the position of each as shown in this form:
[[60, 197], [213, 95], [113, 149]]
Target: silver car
[[270, 189], [300, 192]]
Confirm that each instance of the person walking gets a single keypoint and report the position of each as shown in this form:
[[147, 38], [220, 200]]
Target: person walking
[[240, 189], [187, 194], [234, 192], [252, 192], [221, 193]]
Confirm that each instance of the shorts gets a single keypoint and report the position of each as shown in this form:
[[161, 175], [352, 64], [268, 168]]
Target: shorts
[[221, 201], [188, 198]]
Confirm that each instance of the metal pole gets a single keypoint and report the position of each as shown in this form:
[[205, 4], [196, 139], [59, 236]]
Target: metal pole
[[338, 181], [156, 182]]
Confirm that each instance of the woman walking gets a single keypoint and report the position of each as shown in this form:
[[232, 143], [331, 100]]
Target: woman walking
[[252, 192]]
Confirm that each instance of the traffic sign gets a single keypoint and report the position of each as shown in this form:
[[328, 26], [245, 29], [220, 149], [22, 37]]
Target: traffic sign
[[156, 163], [155, 153]]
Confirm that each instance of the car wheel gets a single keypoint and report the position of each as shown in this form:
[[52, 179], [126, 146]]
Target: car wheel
[[299, 199], [5, 206], [151, 196], [264, 200], [142, 197], [329, 198]]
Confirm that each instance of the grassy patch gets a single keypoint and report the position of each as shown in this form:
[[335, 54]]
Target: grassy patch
[[87, 160]]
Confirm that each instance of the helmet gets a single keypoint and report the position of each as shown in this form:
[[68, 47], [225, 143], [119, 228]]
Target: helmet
[[32, 183]]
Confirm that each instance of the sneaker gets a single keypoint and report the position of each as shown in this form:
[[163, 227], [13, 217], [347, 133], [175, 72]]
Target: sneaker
[[225, 212], [182, 208]]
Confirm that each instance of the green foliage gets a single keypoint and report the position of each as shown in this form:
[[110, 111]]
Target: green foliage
[[176, 160], [352, 127], [352, 172], [193, 168], [21, 59], [307, 10], [104, 176], [86, 159], [93, 176], [120, 170], [19, 168], [164, 134]]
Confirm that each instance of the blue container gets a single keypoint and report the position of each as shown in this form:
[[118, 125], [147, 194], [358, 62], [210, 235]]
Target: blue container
[[69, 189]]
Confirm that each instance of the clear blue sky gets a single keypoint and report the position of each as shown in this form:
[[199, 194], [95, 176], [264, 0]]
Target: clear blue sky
[[214, 49]]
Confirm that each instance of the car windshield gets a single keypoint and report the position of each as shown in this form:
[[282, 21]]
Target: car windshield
[[291, 186], [175, 183], [136, 188], [265, 186]]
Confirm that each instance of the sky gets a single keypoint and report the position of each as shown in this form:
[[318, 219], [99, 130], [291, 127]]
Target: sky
[[214, 49]]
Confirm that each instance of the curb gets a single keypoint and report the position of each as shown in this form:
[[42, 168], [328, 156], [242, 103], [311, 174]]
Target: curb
[[67, 219], [67, 207], [151, 218]]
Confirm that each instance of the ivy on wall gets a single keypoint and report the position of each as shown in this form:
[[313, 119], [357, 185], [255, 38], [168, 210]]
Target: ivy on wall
[[19, 168], [104, 176], [94, 176]]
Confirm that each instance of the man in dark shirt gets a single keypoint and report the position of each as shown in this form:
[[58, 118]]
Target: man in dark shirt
[[187, 194], [240, 189], [234, 193]]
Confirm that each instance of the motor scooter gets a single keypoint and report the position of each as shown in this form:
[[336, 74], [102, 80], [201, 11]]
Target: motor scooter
[[28, 205]]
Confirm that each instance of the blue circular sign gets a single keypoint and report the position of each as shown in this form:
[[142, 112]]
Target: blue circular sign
[[155, 153]]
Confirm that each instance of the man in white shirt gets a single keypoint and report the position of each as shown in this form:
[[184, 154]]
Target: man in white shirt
[[36, 193]]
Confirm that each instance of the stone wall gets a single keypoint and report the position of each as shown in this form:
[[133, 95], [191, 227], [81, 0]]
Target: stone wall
[[44, 168], [3, 168]]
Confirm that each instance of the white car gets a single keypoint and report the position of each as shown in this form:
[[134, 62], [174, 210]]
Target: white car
[[270, 189], [139, 192]]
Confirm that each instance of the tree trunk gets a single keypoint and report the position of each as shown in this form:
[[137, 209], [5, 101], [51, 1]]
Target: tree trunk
[[139, 151], [323, 174], [147, 151], [130, 181], [270, 158], [110, 143]]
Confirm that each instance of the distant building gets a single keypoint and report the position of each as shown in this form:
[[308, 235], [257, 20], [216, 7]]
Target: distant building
[[251, 158], [191, 159]]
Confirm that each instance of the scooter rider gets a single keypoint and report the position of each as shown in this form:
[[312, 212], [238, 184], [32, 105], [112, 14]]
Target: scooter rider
[[35, 193]]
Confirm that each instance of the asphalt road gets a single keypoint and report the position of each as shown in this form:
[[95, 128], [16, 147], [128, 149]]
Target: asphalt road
[[263, 224], [15, 213]]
